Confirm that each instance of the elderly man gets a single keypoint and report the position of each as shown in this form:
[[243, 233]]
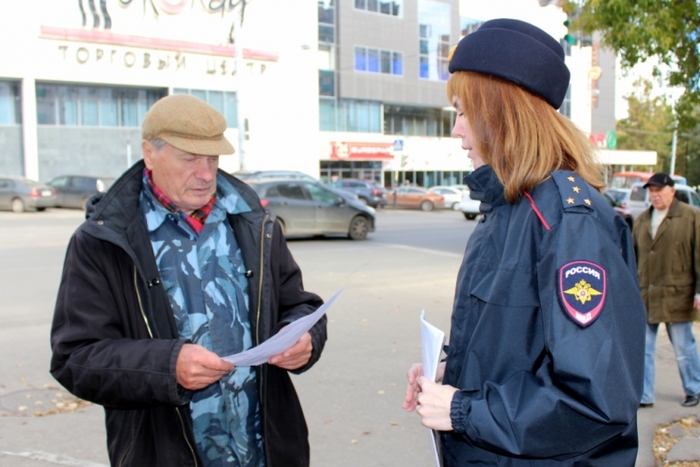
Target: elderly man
[[176, 266], [667, 245]]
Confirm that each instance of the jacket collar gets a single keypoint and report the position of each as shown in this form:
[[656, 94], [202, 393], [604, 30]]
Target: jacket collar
[[486, 187], [119, 207]]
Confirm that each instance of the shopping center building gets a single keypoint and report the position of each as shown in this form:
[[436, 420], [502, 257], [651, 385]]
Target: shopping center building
[[348, 89]]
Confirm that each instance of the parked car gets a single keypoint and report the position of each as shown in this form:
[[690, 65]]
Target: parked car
[[637, 200], [611, 197], [368, 192], [453, 196], [257, 174], [416, 198], [20, 194], [469, 206], [309, 208], [74, 191]]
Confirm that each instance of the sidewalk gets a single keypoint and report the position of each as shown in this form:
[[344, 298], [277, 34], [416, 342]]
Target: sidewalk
[[667, 406]]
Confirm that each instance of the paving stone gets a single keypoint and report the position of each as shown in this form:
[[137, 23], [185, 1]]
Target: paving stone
[[687, 449], [677, 431]]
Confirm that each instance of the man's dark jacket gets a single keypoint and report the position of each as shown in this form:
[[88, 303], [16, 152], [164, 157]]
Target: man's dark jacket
[[115, 342]]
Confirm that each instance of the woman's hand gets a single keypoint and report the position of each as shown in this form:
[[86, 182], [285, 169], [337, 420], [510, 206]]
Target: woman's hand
[[434, 402], [413, 389]]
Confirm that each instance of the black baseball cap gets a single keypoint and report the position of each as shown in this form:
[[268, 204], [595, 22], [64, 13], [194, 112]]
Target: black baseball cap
[[660, 179]]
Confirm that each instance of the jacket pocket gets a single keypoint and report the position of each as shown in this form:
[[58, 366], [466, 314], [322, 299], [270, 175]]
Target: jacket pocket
[[681, 258]]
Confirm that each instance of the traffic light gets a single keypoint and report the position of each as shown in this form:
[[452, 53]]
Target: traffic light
[[570, 37]]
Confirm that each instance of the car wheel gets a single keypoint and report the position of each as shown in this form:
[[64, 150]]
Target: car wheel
[[359, 227], [41, 209], [427, 206], [455, 206], [18, 205], [469, 217]]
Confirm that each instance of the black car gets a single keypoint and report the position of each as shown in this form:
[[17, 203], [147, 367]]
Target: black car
[[74, 191], [368, 192], [309, 208]]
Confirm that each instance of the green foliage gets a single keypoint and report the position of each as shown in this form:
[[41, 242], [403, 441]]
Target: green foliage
[[649, 127], [639, 29]]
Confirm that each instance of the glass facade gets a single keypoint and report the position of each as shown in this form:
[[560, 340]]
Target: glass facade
[[223, 101], [418, 121], [350, 115], [372, 60], [10, 103], [434, 39], [68, 105], [362, 170], [385, 7], [326, 65]]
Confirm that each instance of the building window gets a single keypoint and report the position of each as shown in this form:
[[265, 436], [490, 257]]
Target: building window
[[350, 115], [434, 39], [378, 61], [468, 25], [385, 7], [417, 121], [223, 101], [93, 105], [10, 108], [326, 21], [326, 83], [565, 108]]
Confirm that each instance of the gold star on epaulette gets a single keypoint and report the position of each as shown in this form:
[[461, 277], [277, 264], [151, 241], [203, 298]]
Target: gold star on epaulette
[[571, 179], [587, 201], [576, 189], [570, 200]]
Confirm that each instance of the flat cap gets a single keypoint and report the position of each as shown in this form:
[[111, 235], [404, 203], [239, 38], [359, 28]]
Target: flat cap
[[518, 52], [189, 124]]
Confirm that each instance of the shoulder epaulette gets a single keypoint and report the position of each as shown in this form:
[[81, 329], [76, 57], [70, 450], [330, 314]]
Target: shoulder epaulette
[[574, 191]]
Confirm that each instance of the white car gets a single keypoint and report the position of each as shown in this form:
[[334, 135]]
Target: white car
[[469, 206], [452, 195]]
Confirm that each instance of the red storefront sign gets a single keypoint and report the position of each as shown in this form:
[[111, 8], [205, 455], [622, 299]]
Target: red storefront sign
[[361, 151]]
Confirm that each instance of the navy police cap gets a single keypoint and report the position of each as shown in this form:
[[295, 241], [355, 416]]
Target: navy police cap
[[518, 52]]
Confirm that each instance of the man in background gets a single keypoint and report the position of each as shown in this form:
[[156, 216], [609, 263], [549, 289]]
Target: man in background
[[667, 245]]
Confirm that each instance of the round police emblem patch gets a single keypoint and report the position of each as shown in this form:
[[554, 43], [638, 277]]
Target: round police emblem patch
[[582, 290]]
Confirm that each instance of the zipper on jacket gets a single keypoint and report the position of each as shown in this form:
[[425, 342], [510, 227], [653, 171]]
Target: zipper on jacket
[[184, 434], [260, 281], [257, 334], [138, 297], [177, 410]]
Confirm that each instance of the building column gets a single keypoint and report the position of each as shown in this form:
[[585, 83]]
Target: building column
[[30, 141]]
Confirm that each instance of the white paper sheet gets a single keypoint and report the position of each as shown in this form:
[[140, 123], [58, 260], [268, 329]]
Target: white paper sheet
[[284, 339], [433, 339]]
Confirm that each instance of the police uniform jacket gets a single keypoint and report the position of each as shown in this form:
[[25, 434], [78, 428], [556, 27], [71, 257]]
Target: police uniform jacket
[[547, 339], [115, 341], [669, 263]]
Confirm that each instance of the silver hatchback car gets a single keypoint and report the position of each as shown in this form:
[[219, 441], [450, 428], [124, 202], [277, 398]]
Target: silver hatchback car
[[21, 194]]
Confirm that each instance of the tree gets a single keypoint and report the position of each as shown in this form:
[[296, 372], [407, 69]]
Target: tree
[[648, 126], [641, 29]]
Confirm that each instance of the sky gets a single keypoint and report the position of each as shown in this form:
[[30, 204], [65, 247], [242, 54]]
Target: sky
[[551, 19]]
